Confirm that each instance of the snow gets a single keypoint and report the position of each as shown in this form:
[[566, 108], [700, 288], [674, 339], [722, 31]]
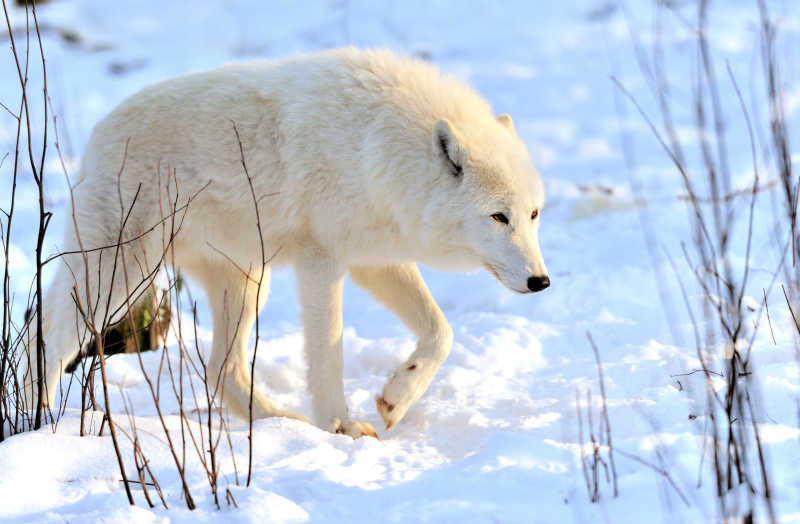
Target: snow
[[495, 439]]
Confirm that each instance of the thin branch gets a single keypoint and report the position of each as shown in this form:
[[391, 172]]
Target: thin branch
[[661, 471]]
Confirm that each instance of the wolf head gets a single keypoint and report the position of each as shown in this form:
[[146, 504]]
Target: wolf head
[[495, 201]]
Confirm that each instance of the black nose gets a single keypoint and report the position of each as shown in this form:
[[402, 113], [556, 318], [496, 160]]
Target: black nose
[[538, 283]]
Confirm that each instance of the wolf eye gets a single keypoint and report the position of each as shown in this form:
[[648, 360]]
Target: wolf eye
[[500, 217], [534, 214]]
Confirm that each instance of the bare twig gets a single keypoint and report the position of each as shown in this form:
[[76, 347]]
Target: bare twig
[[605, 411], [264, 262], [664, 473]]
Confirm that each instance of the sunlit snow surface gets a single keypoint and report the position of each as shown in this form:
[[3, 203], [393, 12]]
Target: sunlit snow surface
[[495, 439]]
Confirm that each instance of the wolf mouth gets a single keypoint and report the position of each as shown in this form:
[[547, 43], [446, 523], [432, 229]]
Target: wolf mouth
[[490, 268]]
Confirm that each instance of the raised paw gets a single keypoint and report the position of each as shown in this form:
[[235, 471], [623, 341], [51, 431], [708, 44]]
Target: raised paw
[[385, 410], [404, 388], [353, 428]]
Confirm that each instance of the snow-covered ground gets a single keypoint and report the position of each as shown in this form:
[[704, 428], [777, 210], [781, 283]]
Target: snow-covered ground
[[495, 439]]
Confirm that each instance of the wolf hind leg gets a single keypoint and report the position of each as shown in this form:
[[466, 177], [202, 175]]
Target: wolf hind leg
[[235, 300]]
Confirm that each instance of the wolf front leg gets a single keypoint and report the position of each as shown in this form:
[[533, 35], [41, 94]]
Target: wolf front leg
[[319, 282], [401, 288]]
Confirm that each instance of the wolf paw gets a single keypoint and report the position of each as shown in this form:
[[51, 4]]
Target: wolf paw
[[404, 388], [392, 412], [385, 410], [353, 428]]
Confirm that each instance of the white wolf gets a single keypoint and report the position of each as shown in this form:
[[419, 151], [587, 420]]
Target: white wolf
[[361, 161]]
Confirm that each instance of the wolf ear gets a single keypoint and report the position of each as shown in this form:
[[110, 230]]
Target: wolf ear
[[447, 146], [505, 120]]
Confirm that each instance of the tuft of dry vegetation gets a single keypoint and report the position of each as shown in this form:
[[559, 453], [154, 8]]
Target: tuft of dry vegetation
[[593, 462]]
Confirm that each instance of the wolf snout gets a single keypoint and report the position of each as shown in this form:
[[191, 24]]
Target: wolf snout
[[538, 283]]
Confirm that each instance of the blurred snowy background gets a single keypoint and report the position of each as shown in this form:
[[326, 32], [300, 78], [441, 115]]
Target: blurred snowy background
[[495, 439]]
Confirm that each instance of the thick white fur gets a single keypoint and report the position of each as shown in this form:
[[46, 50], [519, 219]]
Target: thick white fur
[[345, 153]]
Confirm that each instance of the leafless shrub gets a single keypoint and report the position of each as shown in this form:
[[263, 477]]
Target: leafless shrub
[[106, 325], [594, 462], [15, 416], [203, 435], [738, 464]]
